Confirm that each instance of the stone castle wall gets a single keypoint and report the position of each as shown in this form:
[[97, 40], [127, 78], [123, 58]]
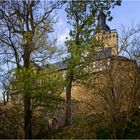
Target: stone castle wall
[[114, 89], [110, 40]]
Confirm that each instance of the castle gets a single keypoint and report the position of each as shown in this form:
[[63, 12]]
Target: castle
[[108, 36], [115, 78], [115, 86]]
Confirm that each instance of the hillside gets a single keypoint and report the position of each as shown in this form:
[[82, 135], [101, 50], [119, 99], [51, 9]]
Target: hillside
[[100, 127]]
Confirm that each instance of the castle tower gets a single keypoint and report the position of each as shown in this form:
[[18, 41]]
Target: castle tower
[[108, 36]]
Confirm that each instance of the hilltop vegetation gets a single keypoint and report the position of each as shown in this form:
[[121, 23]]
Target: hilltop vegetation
[[100, 127]]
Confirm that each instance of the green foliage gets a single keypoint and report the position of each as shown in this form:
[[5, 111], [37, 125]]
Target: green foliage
[[11, 122], [44, 86], [97, 127], [82, 15], [40, 127], [101, 133], [125, 125], [133, 127], [82, 128]]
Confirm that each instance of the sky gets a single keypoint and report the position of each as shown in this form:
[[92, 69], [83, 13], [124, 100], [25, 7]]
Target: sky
[[126, 14]]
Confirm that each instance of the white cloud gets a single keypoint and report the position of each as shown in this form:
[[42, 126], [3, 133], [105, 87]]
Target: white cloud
[[62, 37], [60, 23]]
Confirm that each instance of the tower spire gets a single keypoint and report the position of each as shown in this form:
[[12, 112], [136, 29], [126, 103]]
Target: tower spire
[[102, 26]]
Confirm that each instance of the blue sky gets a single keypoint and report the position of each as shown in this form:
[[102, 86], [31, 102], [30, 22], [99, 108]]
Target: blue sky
[[126, 14]]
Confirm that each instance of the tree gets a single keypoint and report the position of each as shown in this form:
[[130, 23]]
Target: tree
[[115, 82], [82, 16], [5, 93], [117, 93], [22, 25], [129, 42]]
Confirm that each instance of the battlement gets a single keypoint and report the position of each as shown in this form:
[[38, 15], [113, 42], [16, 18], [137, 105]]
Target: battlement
[[109, 39]]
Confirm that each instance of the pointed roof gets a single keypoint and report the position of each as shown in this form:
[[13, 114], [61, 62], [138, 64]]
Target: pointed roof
[[102, 26]]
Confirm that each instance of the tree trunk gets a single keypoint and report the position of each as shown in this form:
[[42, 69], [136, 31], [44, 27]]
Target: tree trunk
[[27, 98], [68, 99], [27, 117]]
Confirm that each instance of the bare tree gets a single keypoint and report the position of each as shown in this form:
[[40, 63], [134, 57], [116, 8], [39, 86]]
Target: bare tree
[[129, 41], [23, 23], [114, 85]]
